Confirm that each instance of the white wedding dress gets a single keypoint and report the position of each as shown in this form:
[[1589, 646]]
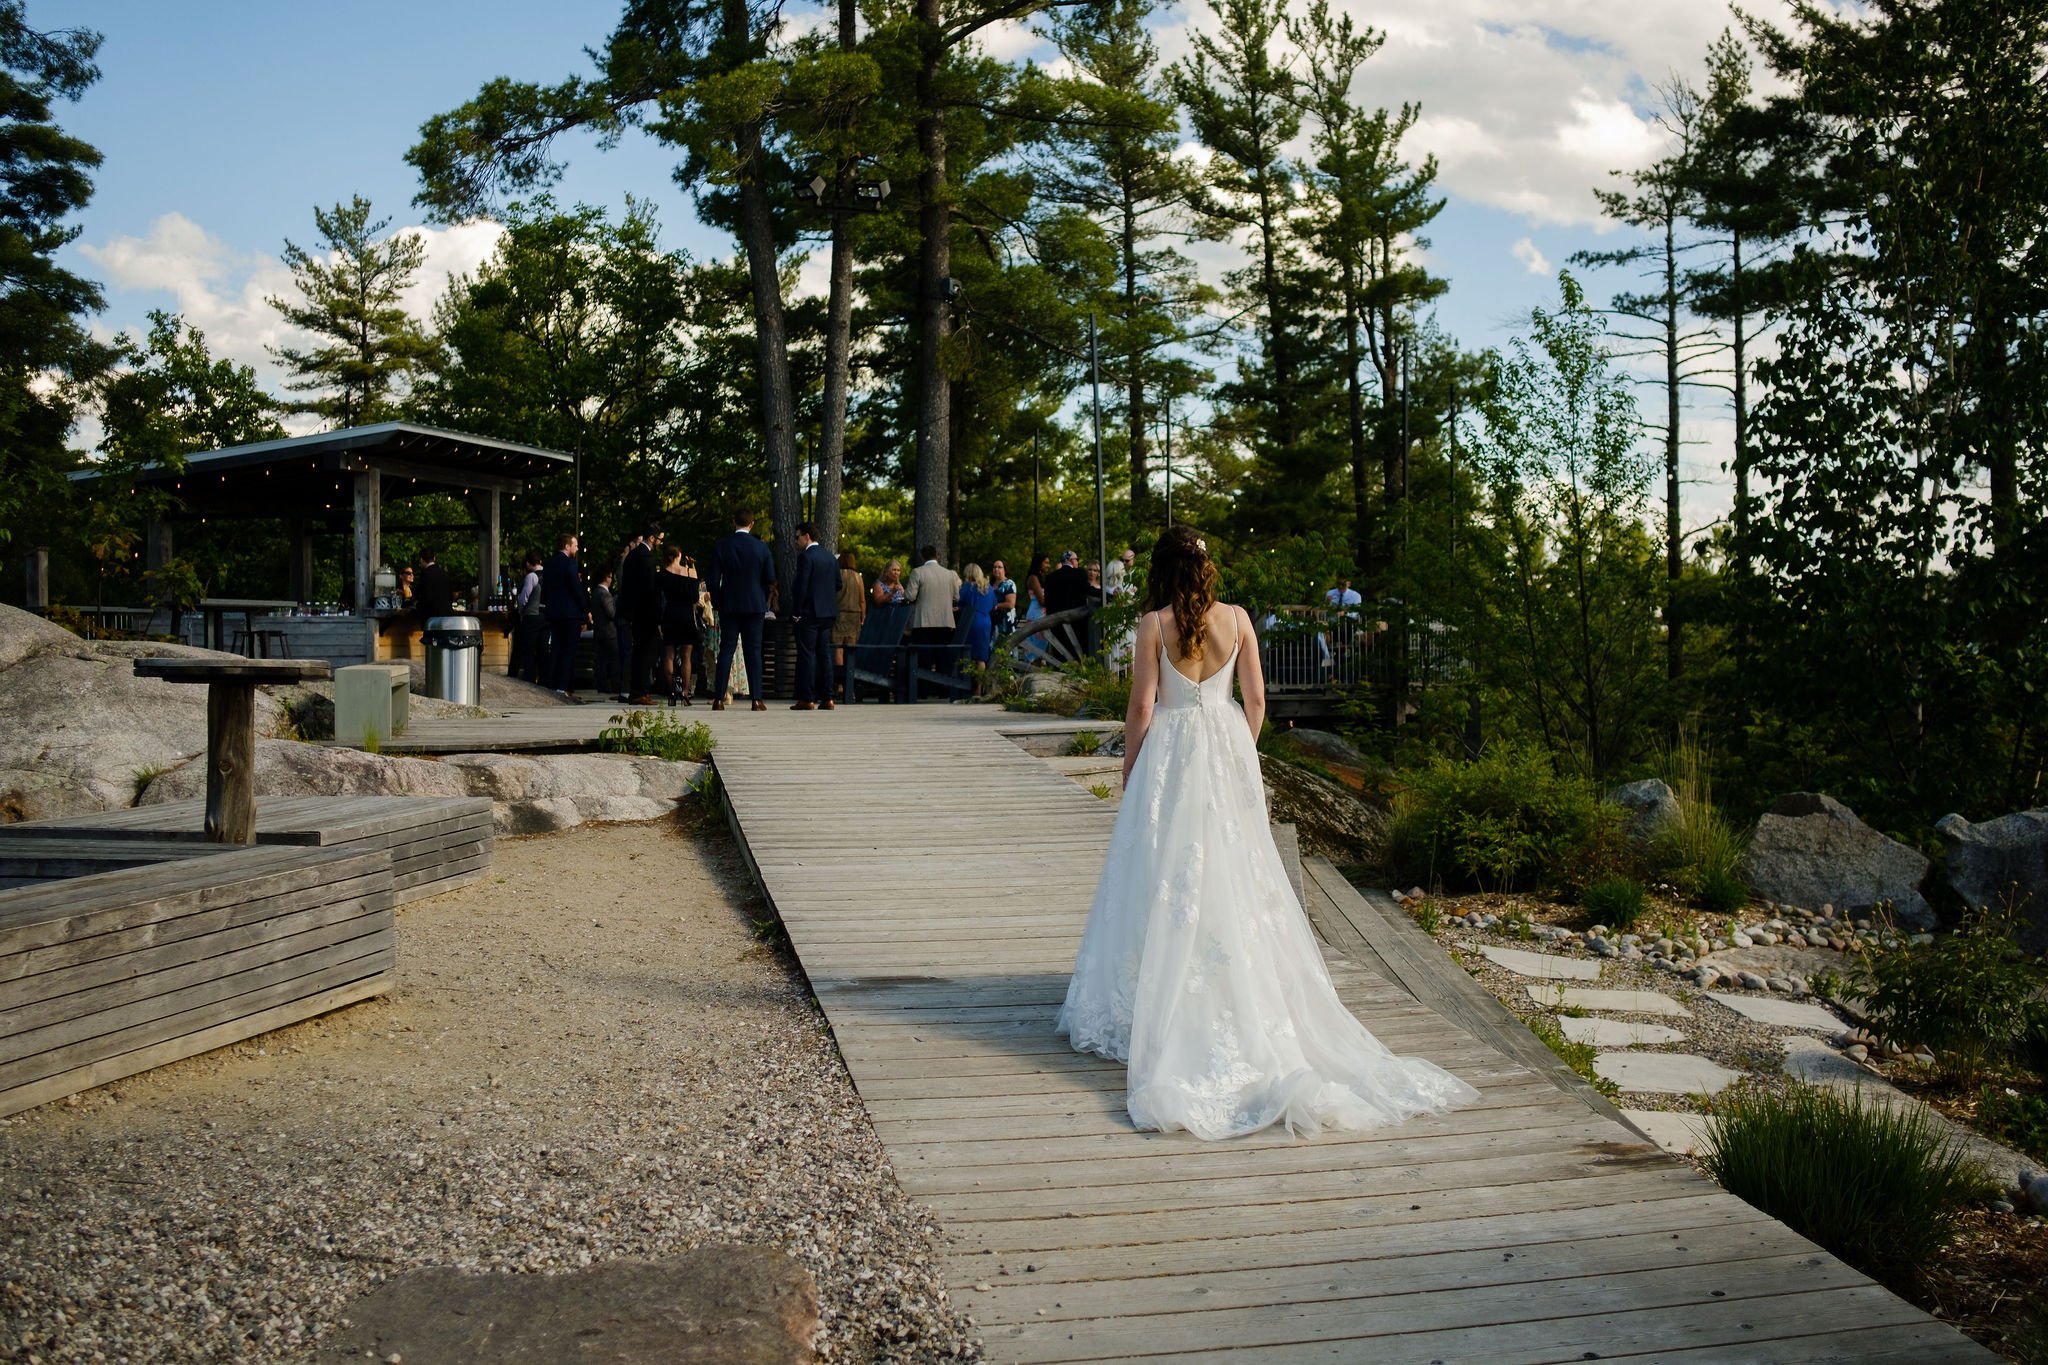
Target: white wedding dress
[[1198, 969]]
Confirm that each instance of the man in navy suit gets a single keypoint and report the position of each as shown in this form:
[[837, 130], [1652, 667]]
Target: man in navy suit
[[568, 607], [814, 607], [742, 576]]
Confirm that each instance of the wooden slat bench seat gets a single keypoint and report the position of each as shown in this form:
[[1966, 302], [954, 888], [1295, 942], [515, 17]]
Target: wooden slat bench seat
[[106, 975]]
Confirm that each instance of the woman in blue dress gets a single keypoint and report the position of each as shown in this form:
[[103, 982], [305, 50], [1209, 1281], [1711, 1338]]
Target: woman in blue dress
[[977, 602]]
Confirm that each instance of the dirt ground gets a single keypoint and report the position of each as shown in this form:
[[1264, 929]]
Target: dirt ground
[[594, 1053]]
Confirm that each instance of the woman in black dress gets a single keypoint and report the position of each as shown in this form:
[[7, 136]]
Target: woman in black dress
[[679, 592]]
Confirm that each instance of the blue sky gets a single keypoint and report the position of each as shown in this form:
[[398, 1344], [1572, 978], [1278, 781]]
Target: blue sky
[[224, 123]]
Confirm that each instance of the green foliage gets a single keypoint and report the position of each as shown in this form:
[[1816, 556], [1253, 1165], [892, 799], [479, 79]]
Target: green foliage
[[1505, 821], [2018, 1118], [1428, 918], [1616, 902], [1085, 742], [1877, 1184], [1578, 1056], [1102, 791], [350, 292], [1721, 892], [657, 734], [1699, 851], [1969, 995]]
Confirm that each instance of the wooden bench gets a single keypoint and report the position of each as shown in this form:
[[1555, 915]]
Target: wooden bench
[[372, 702], [876, 656], [107, 975]]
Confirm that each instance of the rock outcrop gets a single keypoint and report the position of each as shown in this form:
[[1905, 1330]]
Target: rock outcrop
[[1649, 807], [1350, 765], [1810, 850], [1331, 820], [2002, 862]]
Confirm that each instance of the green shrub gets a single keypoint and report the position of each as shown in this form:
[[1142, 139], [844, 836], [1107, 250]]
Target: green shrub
[[1577, 1056], [1616, 902], [1721, 893], [1084, 743], [1504, 822], [657, 734], [2015, 1117], [1878, 1184], [2032, 1052], [1969, 995], [1428, 918]]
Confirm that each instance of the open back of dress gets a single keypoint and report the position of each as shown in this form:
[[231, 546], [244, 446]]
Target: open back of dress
[[1198, 969]]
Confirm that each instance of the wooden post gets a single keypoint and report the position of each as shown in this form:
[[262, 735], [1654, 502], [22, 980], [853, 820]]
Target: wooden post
[[156, 544], [231, 762], [35, 575], [302, 560], [488, 535], [369, 536]]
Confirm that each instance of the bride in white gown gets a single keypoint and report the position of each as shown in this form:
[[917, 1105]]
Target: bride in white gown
[[1198, 969]]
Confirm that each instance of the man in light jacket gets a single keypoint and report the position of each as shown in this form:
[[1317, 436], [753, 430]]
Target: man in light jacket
[[934, 593]]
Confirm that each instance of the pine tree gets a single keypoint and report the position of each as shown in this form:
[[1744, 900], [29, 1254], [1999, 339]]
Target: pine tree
[[368, 347]]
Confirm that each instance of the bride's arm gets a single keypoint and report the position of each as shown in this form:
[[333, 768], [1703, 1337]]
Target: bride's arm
[[1251, 675], [1144, 689]]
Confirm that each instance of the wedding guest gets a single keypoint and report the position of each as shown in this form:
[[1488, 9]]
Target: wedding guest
[[853, 606], [977, 608], [1343, 595], [402, 593], [604, 635], [1095, 580], [1127, 579], [640, 600], [1068, 588], [813, 608], [567, 608], [680, 589], [889, 587], [432, 594], [1005, 587], [1113, 581], [742, 589], [934, 590], [528, 626], [1034, 586]]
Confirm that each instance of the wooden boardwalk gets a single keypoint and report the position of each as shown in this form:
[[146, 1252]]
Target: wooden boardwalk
[[934, 879]]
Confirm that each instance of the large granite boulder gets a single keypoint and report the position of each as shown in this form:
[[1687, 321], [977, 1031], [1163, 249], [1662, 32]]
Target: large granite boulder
[[537, 793], [1810, 850], [1331, 821], [2002, 861], [1648, 807], [1344, 760], [721, 1305], [79, 732], [287, 767]]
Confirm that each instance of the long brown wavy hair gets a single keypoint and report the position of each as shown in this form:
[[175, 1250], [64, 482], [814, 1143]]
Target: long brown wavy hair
[[1182, 579]]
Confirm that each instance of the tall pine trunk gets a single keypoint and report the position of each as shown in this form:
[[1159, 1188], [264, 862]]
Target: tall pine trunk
[[1134, 380], [1741, 512], [934, 264], [838, 350], [1674, 546], [1354, 423]]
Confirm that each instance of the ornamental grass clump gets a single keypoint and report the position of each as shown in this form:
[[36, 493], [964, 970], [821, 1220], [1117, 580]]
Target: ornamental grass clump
[[1698, 850], [1616, 902], [1878, 1184]]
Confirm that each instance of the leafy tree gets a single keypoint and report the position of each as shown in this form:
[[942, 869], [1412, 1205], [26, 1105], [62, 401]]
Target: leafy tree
[[1367, 210], [1113, 158], [45, 176], [1572, 626], [367, 346]]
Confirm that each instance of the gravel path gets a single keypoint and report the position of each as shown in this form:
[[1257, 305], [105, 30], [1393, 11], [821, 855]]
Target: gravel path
[[588, 1056]]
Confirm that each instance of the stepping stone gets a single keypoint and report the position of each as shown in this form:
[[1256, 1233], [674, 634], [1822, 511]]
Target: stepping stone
[[1678, 1134], [1542, 966], [1617, 1032], [1615, 1002], [1784, 1013], [1813, 1061], [1664, 1073]]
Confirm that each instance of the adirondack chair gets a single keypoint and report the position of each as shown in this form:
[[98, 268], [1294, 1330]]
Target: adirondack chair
[[939, 665], [1051, 640], [874, 658]]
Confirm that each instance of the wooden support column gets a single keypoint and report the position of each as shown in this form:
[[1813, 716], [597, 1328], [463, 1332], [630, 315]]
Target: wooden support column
[[35, 576], [156, 544], [302, 560], [369, 536], [231, 763], [484, 503]]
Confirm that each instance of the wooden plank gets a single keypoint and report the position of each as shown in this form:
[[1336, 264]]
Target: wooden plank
[[140, 1059], [33, 916]]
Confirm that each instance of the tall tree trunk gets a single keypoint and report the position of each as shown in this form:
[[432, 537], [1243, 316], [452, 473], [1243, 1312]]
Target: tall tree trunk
[[1674, 563], [1279, 357], [838, 348], [1134, 379], [1741, 512], [1354, 421], [934, 264]]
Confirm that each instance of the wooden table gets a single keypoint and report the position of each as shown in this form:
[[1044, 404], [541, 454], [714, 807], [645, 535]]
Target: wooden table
[[231, 730]]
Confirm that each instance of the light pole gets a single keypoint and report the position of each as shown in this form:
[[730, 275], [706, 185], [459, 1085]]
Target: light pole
[[1101, 518], [1166, 407], [1035, 542]]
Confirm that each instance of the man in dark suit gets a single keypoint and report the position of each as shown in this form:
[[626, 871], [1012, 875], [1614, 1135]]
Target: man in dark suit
[[814, 608], [742, 576], [640, 606], [1067, 588], [431, 594], [568, 608]]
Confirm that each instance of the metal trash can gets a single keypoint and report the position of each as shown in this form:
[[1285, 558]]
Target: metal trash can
[[455, 658]]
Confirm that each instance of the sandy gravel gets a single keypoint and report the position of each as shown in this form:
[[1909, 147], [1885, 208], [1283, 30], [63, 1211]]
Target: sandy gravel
[[590, 1055]]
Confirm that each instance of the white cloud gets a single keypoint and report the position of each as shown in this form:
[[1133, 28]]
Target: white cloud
[[225, 293], [1531, 256]]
